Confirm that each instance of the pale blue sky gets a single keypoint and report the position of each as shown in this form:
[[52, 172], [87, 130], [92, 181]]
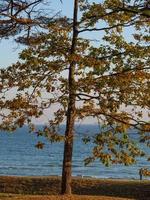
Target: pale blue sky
[[9, 49]]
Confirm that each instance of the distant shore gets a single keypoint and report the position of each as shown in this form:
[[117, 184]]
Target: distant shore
[[50, 185]]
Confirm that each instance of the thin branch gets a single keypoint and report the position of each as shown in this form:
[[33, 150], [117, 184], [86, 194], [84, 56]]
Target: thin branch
[[99, 16], [126, 24], [131, 9], [123, 72], [117, 10], [135, 123], [86, 95]]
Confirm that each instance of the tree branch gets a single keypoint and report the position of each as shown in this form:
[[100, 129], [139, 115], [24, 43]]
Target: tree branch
[[126, 24]]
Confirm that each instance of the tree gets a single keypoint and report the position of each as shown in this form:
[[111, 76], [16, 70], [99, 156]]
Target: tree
[[105, 77], [18, 16]]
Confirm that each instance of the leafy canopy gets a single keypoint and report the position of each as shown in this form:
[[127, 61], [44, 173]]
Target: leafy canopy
[[111, 78]]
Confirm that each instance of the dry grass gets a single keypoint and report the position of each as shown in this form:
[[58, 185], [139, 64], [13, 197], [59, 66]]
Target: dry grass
[[56, 197], [48, 188]]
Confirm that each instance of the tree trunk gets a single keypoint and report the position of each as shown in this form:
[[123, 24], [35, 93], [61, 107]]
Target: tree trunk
[[69, 133]]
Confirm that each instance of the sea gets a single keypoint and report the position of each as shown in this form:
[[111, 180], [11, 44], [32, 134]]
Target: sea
[[19, 157]]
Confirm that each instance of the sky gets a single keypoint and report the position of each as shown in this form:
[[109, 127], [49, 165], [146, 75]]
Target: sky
[[9, 49]]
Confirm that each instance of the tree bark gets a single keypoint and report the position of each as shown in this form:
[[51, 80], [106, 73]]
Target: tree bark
[[71, 112]]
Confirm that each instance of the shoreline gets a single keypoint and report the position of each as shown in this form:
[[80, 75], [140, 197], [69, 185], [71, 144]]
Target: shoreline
[[78, 177]]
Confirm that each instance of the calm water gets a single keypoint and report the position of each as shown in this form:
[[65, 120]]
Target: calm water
[[18, 156]]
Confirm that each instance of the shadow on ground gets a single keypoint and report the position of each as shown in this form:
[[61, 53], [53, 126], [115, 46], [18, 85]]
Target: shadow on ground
[[81, 186]]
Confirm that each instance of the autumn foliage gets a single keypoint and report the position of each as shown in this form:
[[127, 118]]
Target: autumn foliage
[[96, 66]]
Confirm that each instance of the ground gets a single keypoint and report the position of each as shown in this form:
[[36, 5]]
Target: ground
[[48, 188], [56, 197]]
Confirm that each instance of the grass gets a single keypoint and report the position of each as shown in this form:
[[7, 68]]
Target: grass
[[48, 188], [56, 197]]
